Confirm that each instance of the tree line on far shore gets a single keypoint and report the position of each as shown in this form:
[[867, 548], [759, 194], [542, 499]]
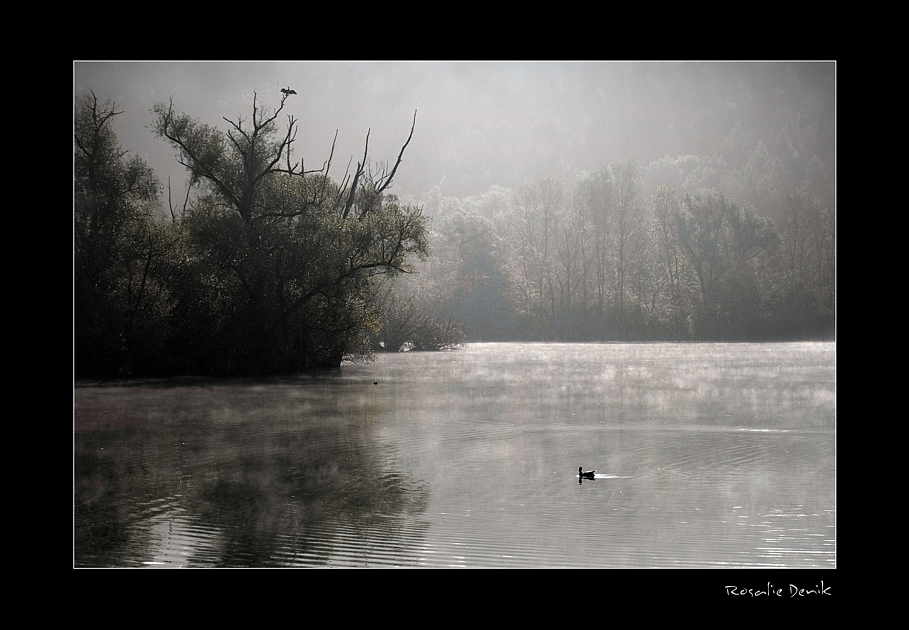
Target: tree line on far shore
[[604, 258]]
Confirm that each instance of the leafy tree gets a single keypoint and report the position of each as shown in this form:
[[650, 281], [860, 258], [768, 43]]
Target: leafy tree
[[401, 317], [439, 334], [795, 232], [406, 321], [805, 306], [468, 267], [120, 261], [761, 181], [672, 273], [724, 245], [285, 256]]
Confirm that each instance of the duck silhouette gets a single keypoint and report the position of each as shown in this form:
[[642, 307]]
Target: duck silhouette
[[585, 475]]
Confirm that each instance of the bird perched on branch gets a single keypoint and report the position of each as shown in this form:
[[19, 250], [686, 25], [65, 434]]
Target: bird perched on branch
[[288, 91]]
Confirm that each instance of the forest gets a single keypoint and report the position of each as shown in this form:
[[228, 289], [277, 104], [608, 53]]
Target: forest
[[267, 268]]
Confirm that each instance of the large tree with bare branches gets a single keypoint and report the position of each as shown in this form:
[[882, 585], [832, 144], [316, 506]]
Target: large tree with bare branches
[[284, 255]]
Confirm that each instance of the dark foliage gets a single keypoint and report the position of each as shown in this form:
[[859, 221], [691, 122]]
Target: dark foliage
[[268, 270]]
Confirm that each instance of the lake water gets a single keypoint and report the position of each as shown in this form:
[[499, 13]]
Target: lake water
[[707, 455]]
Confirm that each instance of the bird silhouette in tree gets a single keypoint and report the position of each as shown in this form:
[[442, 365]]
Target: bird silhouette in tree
[[288, 91]]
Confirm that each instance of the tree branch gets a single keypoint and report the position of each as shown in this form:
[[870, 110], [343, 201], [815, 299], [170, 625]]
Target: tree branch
[[382, 186], [173, 215], [356, 178]]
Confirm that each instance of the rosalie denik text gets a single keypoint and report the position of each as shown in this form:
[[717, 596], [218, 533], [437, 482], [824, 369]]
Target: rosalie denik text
[[771, 590]]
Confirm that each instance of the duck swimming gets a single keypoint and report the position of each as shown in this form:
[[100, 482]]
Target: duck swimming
[[585, 475]]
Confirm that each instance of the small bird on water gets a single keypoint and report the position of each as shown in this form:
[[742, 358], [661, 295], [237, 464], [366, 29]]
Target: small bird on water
[[585, 475]]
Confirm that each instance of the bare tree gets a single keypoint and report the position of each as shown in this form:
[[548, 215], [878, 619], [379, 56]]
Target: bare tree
[[236, 166], [377, 182], [669, 262], [627, 216], [593, 197], [535, 228]]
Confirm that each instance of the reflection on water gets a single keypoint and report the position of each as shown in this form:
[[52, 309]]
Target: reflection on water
[[707, 455]]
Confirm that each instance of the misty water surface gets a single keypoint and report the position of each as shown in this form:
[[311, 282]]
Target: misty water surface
[[708, 455]]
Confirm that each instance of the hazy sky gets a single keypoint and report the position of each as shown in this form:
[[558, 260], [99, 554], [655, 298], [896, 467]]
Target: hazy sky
[[478, 123]]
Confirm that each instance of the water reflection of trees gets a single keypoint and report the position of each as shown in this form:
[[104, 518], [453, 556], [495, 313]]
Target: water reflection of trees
[[263, 479], [275, 506], [99, 532]]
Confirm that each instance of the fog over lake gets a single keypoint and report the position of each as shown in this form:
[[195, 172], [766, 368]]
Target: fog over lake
[[706, 455]]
